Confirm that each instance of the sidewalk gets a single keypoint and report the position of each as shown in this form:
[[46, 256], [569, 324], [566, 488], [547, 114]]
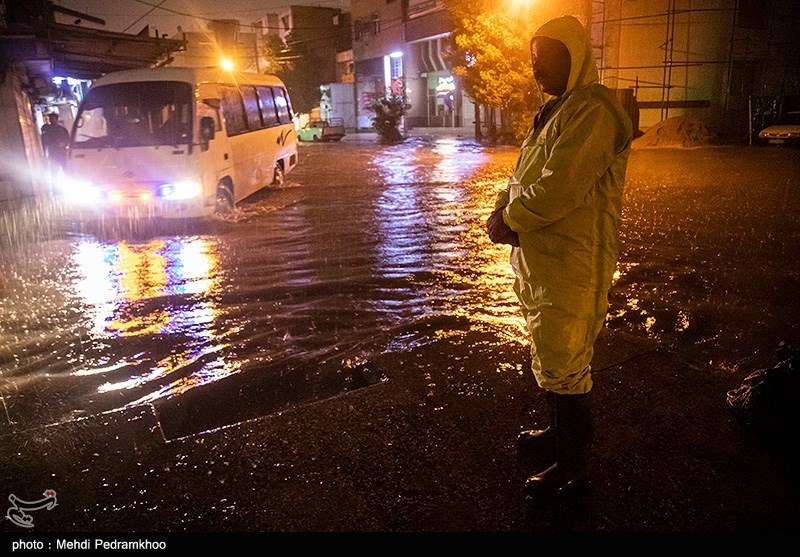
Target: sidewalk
[[432, 448]]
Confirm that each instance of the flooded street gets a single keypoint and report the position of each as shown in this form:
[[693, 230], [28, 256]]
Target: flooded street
[[360, 251], [371, 249]]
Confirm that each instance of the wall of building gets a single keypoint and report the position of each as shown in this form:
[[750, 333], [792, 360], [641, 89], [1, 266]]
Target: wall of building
[[690, 68], [377, 27], [21, 165], [715, 57], [337, 102], [321, 31], [345, 67]]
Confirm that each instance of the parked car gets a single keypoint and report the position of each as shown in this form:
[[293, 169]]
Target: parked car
[[785, 130], [322, 130]]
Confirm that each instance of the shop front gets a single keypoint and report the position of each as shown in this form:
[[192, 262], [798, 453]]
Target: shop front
[[437, 99]]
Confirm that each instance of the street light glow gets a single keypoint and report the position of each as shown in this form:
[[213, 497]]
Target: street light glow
[[226, 64]]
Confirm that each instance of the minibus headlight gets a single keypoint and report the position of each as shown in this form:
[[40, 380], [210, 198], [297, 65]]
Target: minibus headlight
[[180, 190], [80, 191]]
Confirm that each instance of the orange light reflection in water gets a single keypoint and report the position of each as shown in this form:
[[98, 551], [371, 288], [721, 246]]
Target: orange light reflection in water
[[450, 206], [126, 287]]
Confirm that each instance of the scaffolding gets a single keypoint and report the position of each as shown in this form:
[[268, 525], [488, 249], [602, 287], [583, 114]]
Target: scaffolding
[[746, 41]]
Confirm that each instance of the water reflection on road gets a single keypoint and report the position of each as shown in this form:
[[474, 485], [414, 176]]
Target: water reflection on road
[[122, 286], [325, 272], [369, 249]]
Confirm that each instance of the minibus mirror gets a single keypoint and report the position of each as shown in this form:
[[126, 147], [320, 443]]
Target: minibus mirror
[[206, 131]]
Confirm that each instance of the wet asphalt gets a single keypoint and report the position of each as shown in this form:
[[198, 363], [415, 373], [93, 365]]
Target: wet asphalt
[[345, 352]]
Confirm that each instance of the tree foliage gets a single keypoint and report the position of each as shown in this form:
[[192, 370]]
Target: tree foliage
[[274, 53], [297, 65], [490, 52]]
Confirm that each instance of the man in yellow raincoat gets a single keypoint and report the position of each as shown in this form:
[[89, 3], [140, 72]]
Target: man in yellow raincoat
[[561, 213]]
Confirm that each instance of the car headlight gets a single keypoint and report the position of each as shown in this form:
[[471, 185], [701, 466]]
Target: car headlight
[[80, 191], [180, 190]]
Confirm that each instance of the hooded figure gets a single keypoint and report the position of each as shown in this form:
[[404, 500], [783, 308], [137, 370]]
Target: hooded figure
[[561, 213]]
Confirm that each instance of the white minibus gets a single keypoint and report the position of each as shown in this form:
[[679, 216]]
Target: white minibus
[[179, 142]]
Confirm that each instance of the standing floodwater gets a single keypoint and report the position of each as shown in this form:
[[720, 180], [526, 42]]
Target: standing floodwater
[[368, 249], [303, 284]]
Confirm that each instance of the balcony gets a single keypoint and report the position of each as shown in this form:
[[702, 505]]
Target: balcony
[[417, 8]]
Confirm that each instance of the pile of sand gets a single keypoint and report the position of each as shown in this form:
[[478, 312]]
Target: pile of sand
[[680, 131]]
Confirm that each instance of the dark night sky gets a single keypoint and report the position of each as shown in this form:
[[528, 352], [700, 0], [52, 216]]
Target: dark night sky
[[119, 14]]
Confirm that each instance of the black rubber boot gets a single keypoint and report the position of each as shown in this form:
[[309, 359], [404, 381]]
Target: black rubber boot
[[540, 441], [570, 474]]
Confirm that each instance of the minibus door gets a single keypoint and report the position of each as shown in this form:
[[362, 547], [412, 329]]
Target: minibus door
[[215, 159]]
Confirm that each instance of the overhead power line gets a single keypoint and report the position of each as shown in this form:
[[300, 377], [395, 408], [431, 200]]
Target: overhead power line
[[144, 15], [209, 19]]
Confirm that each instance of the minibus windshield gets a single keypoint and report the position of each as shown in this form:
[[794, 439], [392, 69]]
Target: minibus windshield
[[135, 114]]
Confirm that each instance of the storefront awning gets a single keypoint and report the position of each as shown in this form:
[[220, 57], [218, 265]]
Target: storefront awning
[[428, 55]]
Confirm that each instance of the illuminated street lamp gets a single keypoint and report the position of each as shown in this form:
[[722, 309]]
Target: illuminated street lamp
[[226, 64]]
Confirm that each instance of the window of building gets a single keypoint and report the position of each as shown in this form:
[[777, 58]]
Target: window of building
[[395, 67], [419, 6]]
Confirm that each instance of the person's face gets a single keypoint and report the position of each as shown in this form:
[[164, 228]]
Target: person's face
[[551, 63]]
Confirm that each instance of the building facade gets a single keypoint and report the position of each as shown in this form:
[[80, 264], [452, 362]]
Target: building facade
[[378, 41], [398, 47], [711, 57], [46, 63], [311, 31]]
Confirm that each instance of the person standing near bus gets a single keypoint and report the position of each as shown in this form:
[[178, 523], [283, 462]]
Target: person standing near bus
[[55, 139]]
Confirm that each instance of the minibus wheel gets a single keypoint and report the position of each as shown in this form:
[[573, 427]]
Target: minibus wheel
[[279, 176], [224, 204]]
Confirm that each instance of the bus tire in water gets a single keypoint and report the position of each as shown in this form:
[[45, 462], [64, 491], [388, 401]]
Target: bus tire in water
[[224, 204], [279, 176]]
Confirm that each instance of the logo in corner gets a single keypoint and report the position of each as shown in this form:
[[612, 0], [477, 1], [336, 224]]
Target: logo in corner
[[17, 512]]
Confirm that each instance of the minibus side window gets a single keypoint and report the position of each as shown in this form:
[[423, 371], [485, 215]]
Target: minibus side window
[[267, 103], [288, 103], [233, 111], [283, 106], [251, 108]]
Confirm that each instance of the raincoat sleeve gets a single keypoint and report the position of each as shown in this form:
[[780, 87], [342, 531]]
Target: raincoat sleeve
[[502, 199], [581, 154]]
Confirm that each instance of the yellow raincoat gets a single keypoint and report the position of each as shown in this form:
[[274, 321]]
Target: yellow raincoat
[[564, 201]]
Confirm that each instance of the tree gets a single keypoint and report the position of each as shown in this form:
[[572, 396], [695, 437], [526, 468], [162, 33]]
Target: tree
[[297, 64], [274, 54]]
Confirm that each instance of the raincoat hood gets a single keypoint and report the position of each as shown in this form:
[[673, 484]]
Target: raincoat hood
[[568, 30]]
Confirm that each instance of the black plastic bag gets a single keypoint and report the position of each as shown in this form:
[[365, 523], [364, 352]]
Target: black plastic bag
[[768, 400]]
